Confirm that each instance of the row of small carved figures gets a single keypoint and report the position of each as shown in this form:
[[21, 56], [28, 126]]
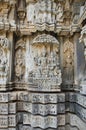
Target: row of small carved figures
[[53, 60]]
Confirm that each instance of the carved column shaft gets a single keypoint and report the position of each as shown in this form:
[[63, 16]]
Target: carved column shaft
[[83, 80], [10, 36], [83, 39]]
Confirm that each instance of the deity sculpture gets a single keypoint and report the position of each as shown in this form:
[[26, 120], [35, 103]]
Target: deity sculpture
[[4, 48], [59, 13], [3, 62], [43, 58], [68, 62], [19, 60], [42, 14], [37, 62], [19, 70], [46, 73]]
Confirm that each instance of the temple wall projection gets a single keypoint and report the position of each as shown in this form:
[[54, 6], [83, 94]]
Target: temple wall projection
[[42, 65]]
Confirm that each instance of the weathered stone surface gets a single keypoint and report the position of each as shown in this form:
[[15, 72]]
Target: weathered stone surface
[[3, 109], [81, 112], [3, 121], [30, 128], [3, 97], [76, 121], [4, 129], [12, 108], [48, 109], [12, 122], [69, 127], [42, 64], [23, 96], [20, 106], [39, 121], [13, 128], [20, 117], [12, 96], [61, 120], [46, 74], [61, 128]]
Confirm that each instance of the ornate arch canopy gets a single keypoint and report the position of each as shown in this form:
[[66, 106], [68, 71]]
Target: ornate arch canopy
[[45, 39], [46, 64]]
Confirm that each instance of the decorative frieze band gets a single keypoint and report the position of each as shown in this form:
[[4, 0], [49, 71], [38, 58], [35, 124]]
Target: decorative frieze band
[[41, 109], [39, 121], [8, 121], [41, 97]]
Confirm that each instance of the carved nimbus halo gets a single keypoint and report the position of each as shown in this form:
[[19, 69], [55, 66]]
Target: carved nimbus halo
[[20, 43], [45, 39]]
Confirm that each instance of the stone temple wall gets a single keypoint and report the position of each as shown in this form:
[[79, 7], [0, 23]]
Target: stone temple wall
[[42, 65]]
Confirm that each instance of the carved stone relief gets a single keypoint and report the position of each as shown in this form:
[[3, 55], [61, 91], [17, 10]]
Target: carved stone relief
[[59, 14], [39, 121], [68, 63], [20, 60], [4, 59], [37, 72], [4, 12], [83, 40], [44, 14], [46, 74]]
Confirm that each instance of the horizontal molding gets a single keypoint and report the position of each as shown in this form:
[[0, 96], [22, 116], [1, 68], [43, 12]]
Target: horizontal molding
[[43, 122]]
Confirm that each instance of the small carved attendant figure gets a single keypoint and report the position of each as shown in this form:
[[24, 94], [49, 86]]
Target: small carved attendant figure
[[3, 64], [51, 61], [19, 69], [36, 60], [56, 58], [59, 13], [69, 66], [68, 62], [37, 72], [43, 58], [51, 64], [43, 63]]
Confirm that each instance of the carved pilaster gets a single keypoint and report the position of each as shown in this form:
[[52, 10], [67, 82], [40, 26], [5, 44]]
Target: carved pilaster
[[68, 65], [83, 80]]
